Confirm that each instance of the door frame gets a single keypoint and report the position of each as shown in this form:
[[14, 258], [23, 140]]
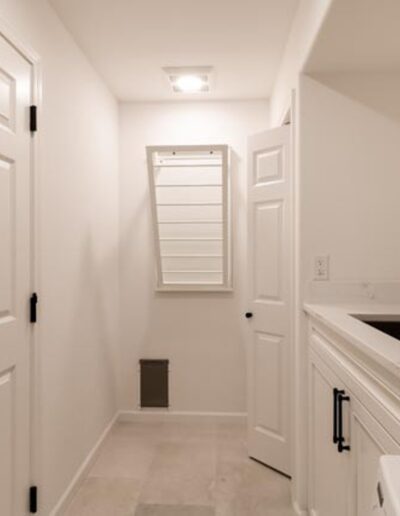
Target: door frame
[[298, 397], [34, 60], [299, 386], [288, 118]]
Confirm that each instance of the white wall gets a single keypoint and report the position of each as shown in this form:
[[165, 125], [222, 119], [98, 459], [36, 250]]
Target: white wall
[[199, 333], [78, 250], [350, 181], [378, 90], [305, 27]]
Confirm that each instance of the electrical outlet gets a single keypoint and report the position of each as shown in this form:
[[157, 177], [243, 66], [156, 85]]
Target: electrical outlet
[[321, 268]]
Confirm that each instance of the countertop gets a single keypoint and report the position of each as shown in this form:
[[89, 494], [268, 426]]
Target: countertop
[[380, 347]]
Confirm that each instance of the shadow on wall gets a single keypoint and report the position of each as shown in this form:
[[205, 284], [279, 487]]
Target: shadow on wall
[[377, 91], [80, 366], [92, 310]]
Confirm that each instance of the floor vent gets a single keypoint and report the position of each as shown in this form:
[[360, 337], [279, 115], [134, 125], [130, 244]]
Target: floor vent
[[154, 383]]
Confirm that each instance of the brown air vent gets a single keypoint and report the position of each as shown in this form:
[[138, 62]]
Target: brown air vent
[[154, 383]]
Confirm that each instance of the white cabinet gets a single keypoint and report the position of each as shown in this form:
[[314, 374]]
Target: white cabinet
[[343, 483], [330, 470], [369, 441]]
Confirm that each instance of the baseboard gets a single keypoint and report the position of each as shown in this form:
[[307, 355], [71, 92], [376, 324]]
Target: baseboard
[[298, 511], [144, 415], [81, 474]]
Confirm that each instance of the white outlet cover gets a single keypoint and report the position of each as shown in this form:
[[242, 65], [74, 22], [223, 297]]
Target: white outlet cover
[[321, 268]]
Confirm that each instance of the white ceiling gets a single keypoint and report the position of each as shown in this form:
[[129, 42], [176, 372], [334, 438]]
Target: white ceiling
[[358, 36], [129, 41]]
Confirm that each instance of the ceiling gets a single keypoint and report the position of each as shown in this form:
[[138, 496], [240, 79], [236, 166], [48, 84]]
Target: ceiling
[[358, 36], [130, 41]]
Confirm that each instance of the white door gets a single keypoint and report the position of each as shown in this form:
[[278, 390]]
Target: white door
[[269, 200], [15, 279]]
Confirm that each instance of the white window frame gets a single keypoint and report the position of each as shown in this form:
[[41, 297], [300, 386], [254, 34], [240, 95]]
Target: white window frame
[[226, 284]]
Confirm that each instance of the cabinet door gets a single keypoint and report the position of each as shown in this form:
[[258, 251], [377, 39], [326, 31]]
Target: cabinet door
[[329, 469], [369, 441]]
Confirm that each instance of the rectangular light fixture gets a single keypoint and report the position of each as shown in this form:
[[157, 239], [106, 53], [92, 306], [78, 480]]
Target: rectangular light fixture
[[186, 79]]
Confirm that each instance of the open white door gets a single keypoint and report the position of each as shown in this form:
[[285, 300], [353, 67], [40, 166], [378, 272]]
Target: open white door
[[269, 199], [15, 279]]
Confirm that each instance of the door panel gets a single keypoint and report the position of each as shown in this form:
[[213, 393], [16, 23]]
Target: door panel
[[368, 452], [268, 164], [7, 429], [329, 469], [7, 99], [269, 199], [268, 353], [268, 251], [15, 279], [369, 441], [7, 235]]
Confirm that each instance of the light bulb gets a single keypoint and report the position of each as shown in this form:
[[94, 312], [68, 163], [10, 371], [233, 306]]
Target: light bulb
[[189, 83]]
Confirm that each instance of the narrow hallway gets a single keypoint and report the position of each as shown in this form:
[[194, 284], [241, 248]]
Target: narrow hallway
[[199, 258], [180, 469]]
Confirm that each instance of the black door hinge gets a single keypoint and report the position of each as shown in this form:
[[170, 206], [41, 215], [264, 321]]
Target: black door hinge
[[33, 499], [33, 119], [33, 307]]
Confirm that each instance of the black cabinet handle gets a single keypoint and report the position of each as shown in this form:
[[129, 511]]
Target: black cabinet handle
[[336, 391], [341, 397], [248, 315]]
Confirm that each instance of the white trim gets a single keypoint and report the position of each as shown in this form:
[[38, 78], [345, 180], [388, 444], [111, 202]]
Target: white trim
[[176, 287], [298, 511], [160, 284], [287, 115], [226, 216], [134, 416], [156, 235], [13, 38], [82, 471], [291, 117]]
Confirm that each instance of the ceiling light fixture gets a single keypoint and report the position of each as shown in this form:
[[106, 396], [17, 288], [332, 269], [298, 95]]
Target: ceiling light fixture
[[190, 83], [189, 79]]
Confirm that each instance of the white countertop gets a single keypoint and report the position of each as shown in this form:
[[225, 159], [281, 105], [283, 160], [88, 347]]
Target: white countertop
[[382, 348]]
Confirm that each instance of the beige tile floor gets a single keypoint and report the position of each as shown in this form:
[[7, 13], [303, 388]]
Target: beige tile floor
[[179, 469]]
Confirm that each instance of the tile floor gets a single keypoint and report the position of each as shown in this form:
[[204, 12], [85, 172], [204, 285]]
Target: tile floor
[[180, 469]]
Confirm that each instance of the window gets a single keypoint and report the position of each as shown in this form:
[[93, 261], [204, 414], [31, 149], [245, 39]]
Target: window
[[190, 203]]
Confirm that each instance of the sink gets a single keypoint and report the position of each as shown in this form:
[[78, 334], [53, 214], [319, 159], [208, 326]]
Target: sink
[[389, 324]]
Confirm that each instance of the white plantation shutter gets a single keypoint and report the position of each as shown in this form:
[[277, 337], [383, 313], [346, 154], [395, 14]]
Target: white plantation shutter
[[190, 203]]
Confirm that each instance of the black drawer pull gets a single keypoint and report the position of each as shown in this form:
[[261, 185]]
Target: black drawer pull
[[335, 414], [340, 438]]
